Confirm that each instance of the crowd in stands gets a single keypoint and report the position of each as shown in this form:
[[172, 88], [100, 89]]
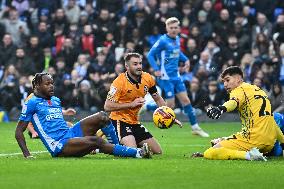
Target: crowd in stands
[[81, 43]]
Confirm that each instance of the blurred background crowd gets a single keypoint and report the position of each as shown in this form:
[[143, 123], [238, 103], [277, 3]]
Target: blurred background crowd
[[81, 43]]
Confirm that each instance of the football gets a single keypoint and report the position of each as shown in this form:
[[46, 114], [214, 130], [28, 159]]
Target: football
[[164, 117]]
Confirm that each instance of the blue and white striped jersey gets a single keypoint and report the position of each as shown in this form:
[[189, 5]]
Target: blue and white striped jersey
[[47, 119]]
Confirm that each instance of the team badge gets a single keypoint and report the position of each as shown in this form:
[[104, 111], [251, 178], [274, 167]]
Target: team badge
[[146, 89]]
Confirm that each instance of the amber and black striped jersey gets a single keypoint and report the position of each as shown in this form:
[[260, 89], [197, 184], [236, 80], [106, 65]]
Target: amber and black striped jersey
[[124, 89]]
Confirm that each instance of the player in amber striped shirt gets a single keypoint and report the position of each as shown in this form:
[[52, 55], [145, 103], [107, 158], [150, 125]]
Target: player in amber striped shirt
[[125, 99]]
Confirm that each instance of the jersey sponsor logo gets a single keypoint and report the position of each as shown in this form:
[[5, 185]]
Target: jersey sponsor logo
[[175, 54], [54, 113], [53, 116], [54, 110]]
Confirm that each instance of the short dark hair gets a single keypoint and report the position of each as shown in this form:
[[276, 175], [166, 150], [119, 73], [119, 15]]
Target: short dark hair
[[129, 55], [232, 70], [38, 78]]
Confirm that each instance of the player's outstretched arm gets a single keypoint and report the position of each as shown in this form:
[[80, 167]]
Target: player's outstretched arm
[[216, 111], [69, 112], [115, 106], [19, 135], [158, 99]]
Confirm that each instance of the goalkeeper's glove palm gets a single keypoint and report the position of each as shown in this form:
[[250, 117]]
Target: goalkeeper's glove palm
[[216, 112]]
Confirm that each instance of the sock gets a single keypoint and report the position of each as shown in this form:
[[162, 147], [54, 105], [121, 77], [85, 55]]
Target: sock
[[224, 154], [125, 151], [110, 133], [190, 114], [277, 149]]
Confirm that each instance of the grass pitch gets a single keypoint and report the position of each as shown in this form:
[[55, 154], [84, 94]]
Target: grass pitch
[[173, 170]]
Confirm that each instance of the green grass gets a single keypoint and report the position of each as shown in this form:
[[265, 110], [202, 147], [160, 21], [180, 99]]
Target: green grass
[[173, 170]]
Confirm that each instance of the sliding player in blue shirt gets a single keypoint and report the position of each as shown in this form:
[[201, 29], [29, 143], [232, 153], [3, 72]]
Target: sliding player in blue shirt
[[45, 112], [164, 58]]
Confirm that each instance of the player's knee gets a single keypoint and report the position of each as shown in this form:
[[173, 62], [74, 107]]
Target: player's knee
[[97, 141], [210, 153], [157, 152], [104, 117]]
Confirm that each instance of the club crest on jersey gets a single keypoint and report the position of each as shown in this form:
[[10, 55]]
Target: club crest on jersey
[[146, 89]]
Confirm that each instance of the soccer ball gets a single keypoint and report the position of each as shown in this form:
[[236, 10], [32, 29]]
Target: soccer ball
[[164, 117]]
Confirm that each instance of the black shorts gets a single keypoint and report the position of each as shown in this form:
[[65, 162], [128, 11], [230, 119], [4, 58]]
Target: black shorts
[[123, 129]]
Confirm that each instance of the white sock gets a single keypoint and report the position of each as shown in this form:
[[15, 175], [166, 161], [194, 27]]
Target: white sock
[[195, 126], [138, 154], [247, 156]]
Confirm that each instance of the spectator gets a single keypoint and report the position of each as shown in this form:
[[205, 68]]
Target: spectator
[[223, 26], [9, 91], [262, 44], [82, 65], [65, 91], [205, 27], [208, 8], [17, 28], [262, 26], [206, 64], [7, 50], [197, 95], [84, 98], [35, 53], [276, 98], [45, 37], [232, 52], [60, 22], [23, 63], [21, 6], [215, 96], [102, 26], [72, 12], [192, 52], [88, 41], [70, 53], [123, 28]]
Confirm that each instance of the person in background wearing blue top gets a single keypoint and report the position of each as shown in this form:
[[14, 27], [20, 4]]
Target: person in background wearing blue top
[[45, 112], [164, 58]]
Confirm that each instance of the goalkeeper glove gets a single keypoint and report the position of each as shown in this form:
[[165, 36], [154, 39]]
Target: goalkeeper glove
[[216, 112]]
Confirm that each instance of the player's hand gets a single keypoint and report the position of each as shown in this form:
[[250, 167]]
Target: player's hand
[[138, 102], [215, 112], [69, 112], [178, 123]]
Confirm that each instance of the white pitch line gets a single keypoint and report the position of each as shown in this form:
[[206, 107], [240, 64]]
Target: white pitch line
[[186, 145], [20, 153]]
